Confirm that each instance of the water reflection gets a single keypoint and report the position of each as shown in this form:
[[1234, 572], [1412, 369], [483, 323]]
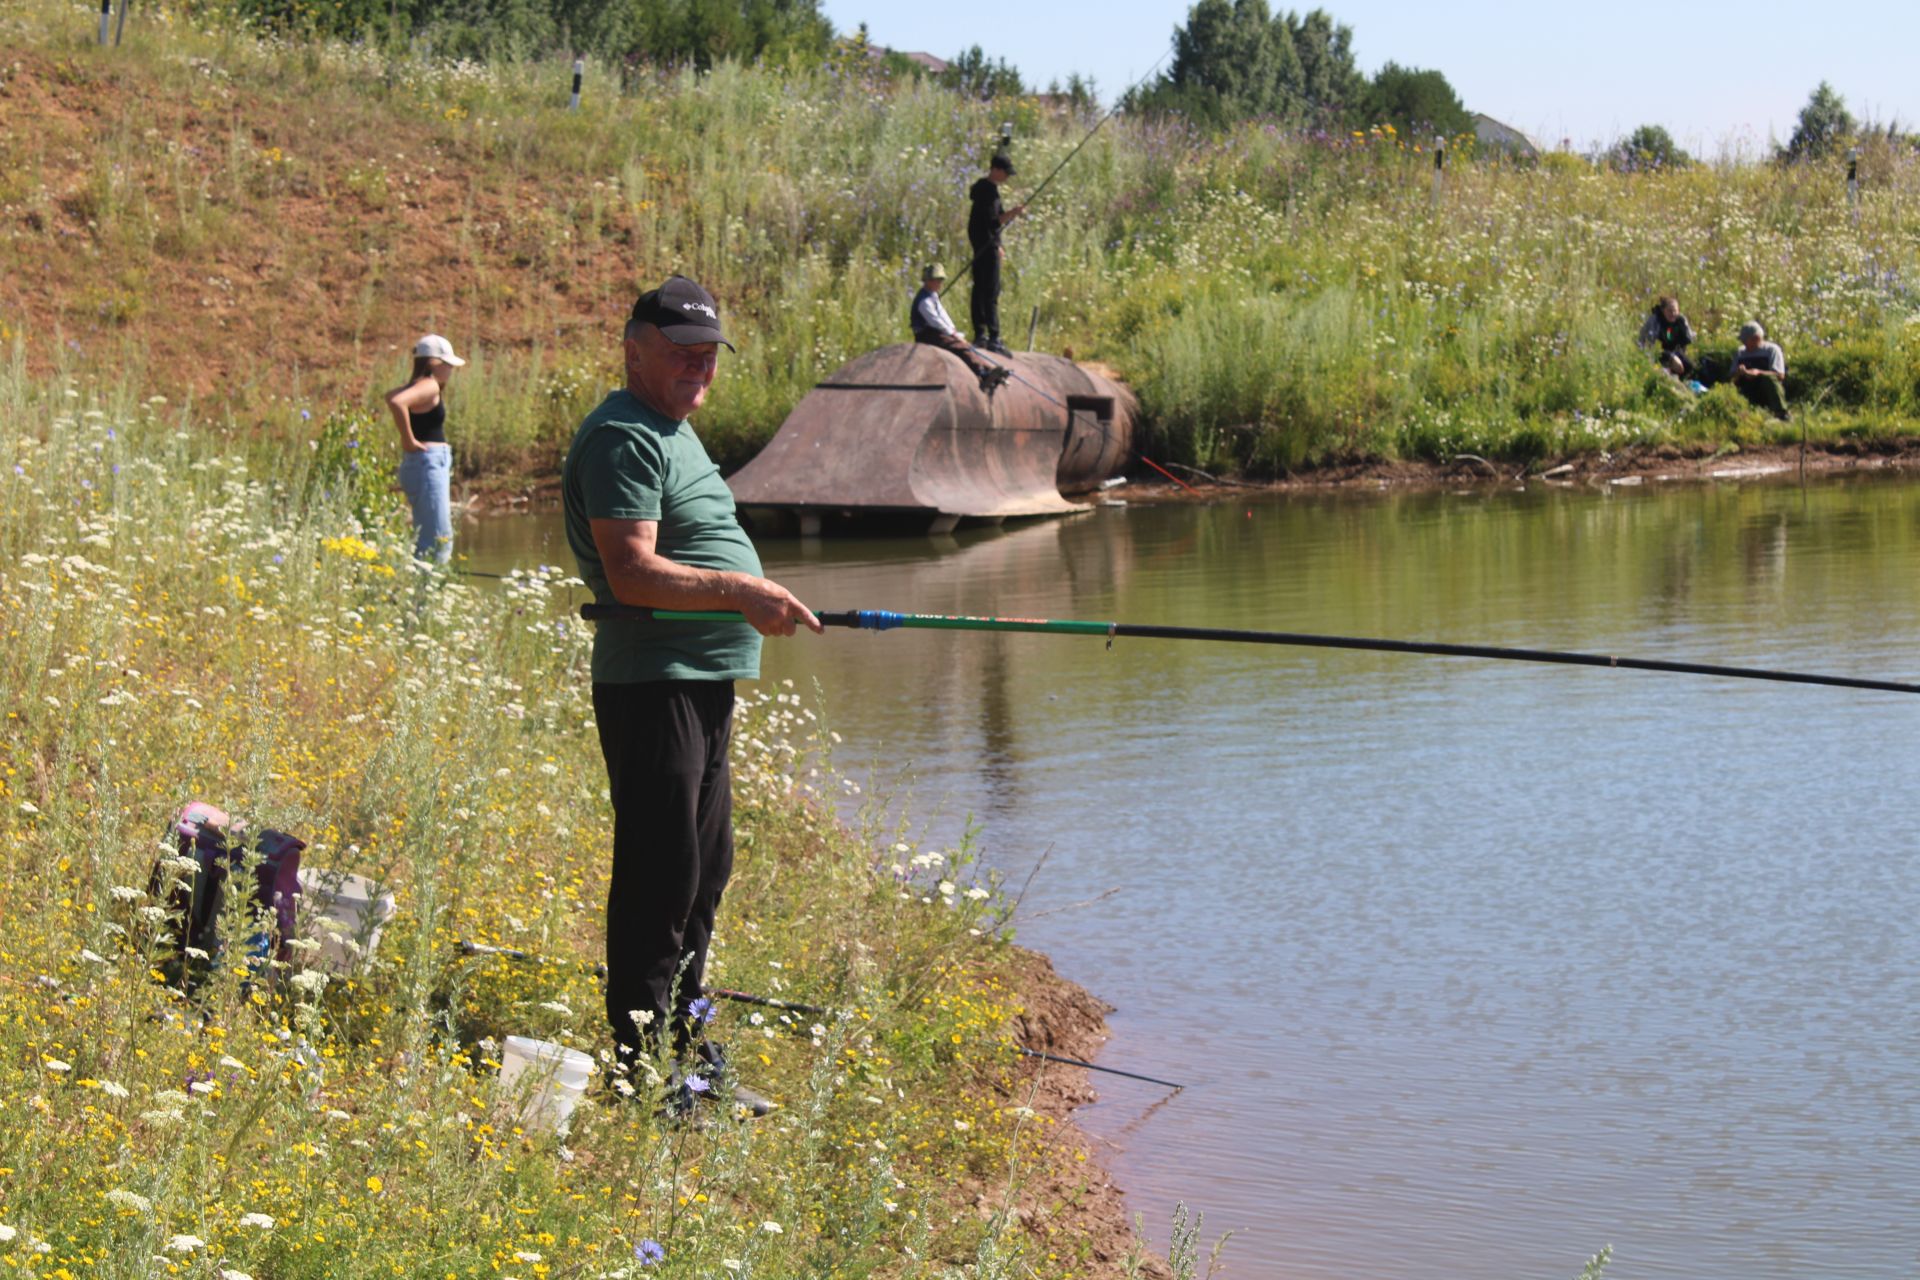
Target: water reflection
[[1476, 967]]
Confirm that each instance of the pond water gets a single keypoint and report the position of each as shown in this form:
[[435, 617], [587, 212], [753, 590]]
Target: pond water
[[1471, 967]]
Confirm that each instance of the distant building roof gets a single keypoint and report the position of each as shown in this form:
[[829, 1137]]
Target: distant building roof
[[927, 60], [1489, 132]]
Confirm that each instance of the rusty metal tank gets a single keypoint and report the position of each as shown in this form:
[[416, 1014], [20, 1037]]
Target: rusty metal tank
[[907, 431]]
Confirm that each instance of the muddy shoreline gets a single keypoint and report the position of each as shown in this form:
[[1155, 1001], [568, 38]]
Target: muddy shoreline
[[1662, 464], [1075, 1202]]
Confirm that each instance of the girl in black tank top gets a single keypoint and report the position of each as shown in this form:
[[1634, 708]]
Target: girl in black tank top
[[426, 462]]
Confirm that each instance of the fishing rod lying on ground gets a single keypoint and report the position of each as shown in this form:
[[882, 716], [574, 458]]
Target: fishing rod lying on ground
[[882, 620], [813, 1010]]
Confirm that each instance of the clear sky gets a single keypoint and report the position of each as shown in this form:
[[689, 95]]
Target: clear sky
[[1715, 75]]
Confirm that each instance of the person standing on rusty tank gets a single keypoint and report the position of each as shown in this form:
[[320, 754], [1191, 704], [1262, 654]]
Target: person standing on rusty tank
[[983, 233]]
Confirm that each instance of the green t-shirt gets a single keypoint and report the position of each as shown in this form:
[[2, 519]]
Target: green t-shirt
[[628, 462]]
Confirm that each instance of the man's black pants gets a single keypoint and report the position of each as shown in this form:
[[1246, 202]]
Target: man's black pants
[[1764, 393], [665, 745], [956, 344], [986, 295]]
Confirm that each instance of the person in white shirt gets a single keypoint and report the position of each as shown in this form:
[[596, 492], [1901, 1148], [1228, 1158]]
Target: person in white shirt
[[934, 327]]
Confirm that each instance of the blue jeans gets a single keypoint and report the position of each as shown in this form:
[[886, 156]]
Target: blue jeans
[[424, 478]]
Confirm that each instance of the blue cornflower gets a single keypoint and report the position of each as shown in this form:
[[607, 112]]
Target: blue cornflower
[[701, 1010], [306, 415], [697, 1084], [648, 1252]]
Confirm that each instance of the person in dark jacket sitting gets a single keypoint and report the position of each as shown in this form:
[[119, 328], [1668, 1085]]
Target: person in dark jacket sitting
[[1760, 371], [1668, 329], [935, 328]]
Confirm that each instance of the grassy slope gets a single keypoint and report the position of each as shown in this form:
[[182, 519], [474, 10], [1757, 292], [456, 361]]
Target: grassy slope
[[270, 224], [180, 625]]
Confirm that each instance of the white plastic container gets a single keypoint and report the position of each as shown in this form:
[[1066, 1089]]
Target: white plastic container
[[344, 915], [559, 1080]]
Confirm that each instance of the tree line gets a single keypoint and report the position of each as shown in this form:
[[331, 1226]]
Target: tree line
[[1232, 60]]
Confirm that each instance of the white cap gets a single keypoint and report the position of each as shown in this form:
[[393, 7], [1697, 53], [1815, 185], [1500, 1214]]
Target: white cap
[[439, 348]]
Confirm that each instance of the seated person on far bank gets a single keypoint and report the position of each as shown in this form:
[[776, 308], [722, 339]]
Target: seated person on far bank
[[935, 328], [1666, 328], [1760, 370]]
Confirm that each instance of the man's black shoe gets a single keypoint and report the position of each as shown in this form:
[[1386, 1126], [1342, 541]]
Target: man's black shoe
[[725, 1086], [994, 345]]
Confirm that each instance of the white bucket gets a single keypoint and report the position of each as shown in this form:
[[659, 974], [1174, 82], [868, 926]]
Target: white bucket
[[560, 1078], [343, 914]]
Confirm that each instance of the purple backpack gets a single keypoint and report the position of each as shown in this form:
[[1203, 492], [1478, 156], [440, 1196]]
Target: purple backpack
[[214, 841]]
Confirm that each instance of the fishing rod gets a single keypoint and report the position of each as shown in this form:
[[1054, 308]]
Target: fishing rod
[[794, 1006], [883, 620], [1112, 111]]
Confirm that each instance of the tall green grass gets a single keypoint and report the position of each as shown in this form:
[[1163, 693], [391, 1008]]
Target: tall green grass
[[1277, 299], [184, 623]]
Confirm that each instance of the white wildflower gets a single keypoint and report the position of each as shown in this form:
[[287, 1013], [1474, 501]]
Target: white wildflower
[[264, 1221], [185, 1244], [772, 1228]]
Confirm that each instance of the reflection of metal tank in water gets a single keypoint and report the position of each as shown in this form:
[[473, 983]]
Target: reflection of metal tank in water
[[906, 430]]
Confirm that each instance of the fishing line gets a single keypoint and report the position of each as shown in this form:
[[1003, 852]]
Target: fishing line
[[884, 620]]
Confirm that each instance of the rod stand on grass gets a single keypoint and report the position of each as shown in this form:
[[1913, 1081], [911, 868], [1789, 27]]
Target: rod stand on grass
[[885, 620], [579, 70], [1439, 169], [106, 12], [1853, 182], [812, 1010], [1033, 325]]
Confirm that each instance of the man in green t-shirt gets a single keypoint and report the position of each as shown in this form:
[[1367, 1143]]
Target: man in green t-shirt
[[652, 524]]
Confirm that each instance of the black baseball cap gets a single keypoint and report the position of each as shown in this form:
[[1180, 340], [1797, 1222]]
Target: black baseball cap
[[683, 311], [1002, 161]]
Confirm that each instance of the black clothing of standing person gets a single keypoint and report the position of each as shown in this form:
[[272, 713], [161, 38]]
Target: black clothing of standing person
[[983, 233]]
